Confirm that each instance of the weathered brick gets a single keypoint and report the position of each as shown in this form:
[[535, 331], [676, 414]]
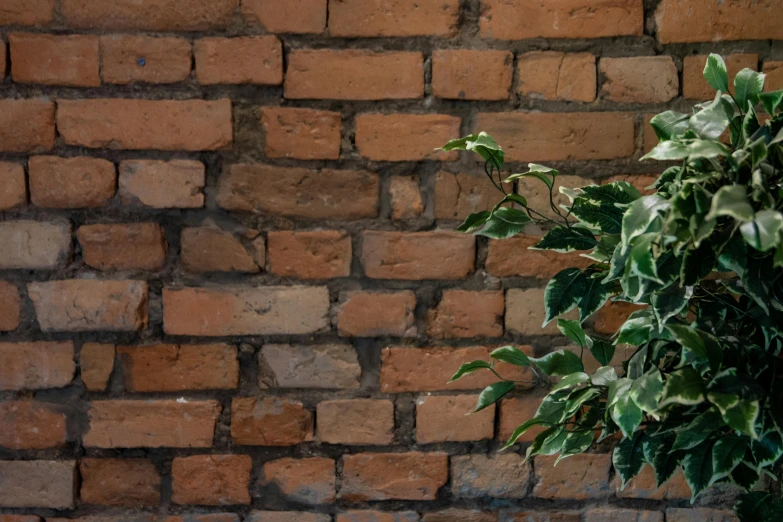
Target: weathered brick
[[357, 18], [695, 87], [472, 75], [460, 515], [639, 79], [457, 195], [13, 188], [699, 515], [150, 15], [377, 314], [250, 59], [299, 192], [553, 75], [612, 315], [774, 71], [31, 425], [377, 516], [79, 182], [708, 21], [356, 422], [293, 16], [309, 481], [215, 517], [580, 477], [406, 137], [523, 19], [444, 418], [132, 246], [20, 518], [38, 484], [10, 306], [287, 516], [321, 254], [405, 197], [467, 313], [90, 305], [539, 516], [146, 124], [538, 136], [237, 310], [645, 485], [152, 424], [512, 258], [119, 482], [211, 480], [55, 60], [128, 58], [301, 133], [170, 367], [26, 12], [621, 515], [34, 244], [26, 125], [162, 184], [96, 362], [36, 366], [354, 75], [418, 255], [430, 369], [516, 411], [525, 312], [326, 366], [504, 475], [393, 476], [211, 249], [269, 421]]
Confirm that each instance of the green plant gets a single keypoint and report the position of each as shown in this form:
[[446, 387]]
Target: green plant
[[704, 254]]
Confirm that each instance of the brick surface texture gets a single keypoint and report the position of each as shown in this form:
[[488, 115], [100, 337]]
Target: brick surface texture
[[231, 289]]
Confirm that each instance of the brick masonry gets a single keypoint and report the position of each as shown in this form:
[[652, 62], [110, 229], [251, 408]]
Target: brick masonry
[[230, 289]]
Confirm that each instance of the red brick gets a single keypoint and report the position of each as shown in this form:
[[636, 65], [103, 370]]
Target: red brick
[[418, 255], [622, 515], [269, 421], [695, 87], [405, 197], [537, 136], [34, 244], [13, 188], [325, 366], [612, 315], [552, 75], [462, 515], [444, 418], [299, 192], [525, 312], [211, 480], [429, 369], [36, 366], [31, 425], [357, 18], [524, 19], [133, 246], [80, 182], [10, 306], [472, 75], [699, 515], [96, 362], [26, 12], [377, 314], [505, 475], [774, 71], [89, 305], [405, 137], [512, 258], [152, 424], [210, 249], [287, 516], [580, 477], [237, 310], [356, 422], [310, 254], [378, 516], [150, 15], [19, 518], [639, 79], [293, 16], [708, 21], [326, 74], [516, 411], [55, 60], [146, 124], [119, 482], [250, 59], [457, 195], [645, 485], [393, 476], [170, 367], [466, 313], [126, 59], [26, 125], [309, 481], [38, 484], [162, 184], [301, 133]]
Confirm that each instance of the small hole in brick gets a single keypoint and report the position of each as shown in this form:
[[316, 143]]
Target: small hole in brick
[[142, 62]]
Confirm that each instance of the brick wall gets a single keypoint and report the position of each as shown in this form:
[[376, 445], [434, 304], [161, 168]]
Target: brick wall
[[229, 283]]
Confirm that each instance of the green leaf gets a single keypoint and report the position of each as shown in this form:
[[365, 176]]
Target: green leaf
[[663, 461], [670, 302], [626, 414], [716, 74], [511, 355], [628, 457], [636, 329], [576, 442], [668, 151], [697, 468], [771, 101], [595, 296], [563, 240], [513, 216], [604, 375], [768, 448], [646, 391], [605, 216], [684, 386], [640, 215], [474, 221], [732, 201], [726, 454], [469, 368], [497, 228], [748, 84], [763, 232], [563, 292], [483, 144], [569, 381], [698, 149], [750, 124], [552, 407], [699, 429], [696, 344], [560, 362], [612, 193], [540, 172], [710, 122], [521, 430], [641, 262], [617, 389], [759, 506], [670, 124], [602, 351], [493, 393], [573, 330], [742, 416]]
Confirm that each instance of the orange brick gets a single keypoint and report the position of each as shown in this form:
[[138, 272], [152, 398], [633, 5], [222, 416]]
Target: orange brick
[[293, 16], [287, 516], [211, 480], [126, 59], [38, 484], [444, 418], [405, 137], [301, 133], [31, 425], [26, 125], [36, 244], [357, 18], [10, 306], [269, 421], [645, 485], [96, 362], [19, 518], [366, 515], [36, 366], [79, 182], [612, 315], [309, 481], [26, 12], [552, 75], [622, 515], [150, 15], [54, 60], [356, 422], [516, 411], [511, 258], [354, 75], [708, 21], [466, 313], [774, 72], [250, 59], [699, 515], [472, 75], [393, 476], [133, 246], [162, 184], [695, 87], [324, 366], [457, 195], [417, 256], [650, 138], [504, 475], [377, 314], [13, 188], [211, 249], [310, 254], [119, 482], [467, 515], [525, 313], [537, 193], [581, 477], [405, 196], [639, 79]]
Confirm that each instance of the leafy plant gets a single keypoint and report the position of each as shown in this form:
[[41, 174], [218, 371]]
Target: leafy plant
[[703, 389]]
